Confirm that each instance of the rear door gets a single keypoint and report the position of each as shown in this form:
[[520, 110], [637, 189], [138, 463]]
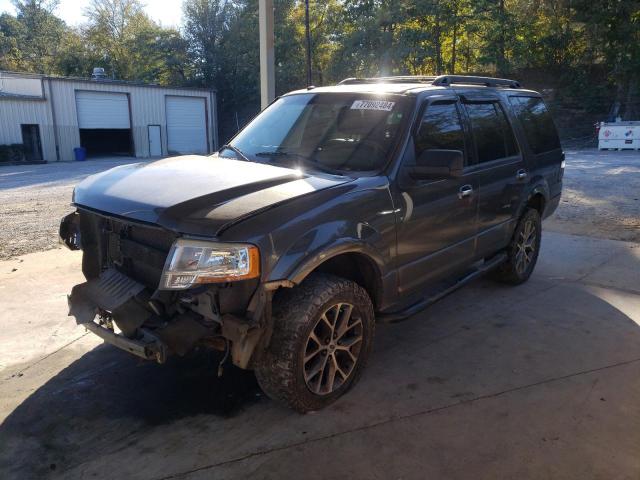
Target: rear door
[[544, 151], [499, 168], [436, 224]]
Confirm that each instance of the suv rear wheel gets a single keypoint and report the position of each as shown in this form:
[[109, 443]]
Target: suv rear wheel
[[522, 251], [323, 333]]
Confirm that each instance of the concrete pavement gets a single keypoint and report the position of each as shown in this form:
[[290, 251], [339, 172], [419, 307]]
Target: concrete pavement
[[536, 381]]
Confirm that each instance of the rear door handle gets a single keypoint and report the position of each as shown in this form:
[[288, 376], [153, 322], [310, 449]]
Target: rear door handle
[[465, 191], [521, 174]]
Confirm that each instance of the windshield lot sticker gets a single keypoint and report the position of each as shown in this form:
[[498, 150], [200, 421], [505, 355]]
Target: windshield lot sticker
[[372, 105]]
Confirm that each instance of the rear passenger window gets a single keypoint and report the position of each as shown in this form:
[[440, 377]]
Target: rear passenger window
[[536, 122], [440, 129], [492, 132]]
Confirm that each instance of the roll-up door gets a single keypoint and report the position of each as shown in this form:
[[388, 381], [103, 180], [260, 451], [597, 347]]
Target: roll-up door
[[186, 124], [102, 110]]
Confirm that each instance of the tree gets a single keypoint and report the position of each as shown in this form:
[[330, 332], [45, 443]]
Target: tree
[[205, 23], [129, 45], [562, 46], [30, 41]]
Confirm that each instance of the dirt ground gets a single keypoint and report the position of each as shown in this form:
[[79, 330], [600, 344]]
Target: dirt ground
[[601, 198]]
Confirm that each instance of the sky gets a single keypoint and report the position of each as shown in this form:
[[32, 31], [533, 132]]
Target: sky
[[166, 12]]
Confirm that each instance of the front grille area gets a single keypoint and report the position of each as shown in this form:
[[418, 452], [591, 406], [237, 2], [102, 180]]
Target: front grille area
[[135, 249]]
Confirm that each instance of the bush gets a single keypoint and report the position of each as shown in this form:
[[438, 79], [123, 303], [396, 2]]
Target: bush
[[13, 153]]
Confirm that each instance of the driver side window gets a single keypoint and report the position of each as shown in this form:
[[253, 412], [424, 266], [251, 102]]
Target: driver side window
[[440, 129]]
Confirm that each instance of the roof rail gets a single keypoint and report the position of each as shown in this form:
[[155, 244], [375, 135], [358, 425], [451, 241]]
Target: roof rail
[[442, 80], [446, 80], [396, 79]]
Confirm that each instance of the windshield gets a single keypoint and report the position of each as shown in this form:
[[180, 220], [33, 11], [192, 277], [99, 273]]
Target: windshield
[[326, 131]]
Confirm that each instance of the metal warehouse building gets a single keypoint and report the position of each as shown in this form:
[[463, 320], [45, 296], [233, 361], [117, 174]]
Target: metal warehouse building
[[51, 116]]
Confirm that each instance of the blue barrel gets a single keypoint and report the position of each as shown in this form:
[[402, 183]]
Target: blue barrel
[[80, 153]]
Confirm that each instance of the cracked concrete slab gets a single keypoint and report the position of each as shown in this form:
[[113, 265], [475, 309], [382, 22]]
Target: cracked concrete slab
[[491, 382]]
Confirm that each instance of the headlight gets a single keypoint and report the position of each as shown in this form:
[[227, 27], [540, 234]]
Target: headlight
[[193, 262]]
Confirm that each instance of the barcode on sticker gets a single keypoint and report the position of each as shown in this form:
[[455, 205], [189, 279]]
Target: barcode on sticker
[[372, 105]]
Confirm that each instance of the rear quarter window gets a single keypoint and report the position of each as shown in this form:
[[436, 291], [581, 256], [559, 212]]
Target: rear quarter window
[[536, 122]]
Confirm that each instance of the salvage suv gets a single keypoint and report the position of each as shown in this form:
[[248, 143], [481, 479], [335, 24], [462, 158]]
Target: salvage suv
[[334, 207]]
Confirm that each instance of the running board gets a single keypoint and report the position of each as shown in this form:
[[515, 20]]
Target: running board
[[394, 317]]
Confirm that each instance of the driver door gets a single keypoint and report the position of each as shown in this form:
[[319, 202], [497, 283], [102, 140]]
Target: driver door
[[437, 220]]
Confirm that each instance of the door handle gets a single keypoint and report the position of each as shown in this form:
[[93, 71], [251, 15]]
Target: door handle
[[521, 174], [465, 191]]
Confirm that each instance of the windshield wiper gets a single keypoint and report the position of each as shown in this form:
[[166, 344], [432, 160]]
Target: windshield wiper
[[310, 163], [237, 151]]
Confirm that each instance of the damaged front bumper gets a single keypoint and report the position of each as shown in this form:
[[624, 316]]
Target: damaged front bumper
[[120, 304], [115, 299], [113, 292], [148, 346]]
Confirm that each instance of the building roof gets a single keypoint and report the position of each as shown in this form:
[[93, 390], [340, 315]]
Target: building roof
[[104, 81]]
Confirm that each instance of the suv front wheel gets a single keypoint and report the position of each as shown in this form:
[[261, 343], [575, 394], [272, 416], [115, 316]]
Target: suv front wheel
[[322, 337]]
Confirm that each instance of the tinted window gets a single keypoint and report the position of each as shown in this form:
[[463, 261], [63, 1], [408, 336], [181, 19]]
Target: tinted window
[[440, 128], [509, 138], [491, 131], [536, 122]]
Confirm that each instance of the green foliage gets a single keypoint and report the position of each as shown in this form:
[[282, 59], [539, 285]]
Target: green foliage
[[131, 46], [30, 41], [565, 47]]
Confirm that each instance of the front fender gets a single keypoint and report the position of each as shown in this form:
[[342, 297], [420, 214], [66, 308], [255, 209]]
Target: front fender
[[324, 242]]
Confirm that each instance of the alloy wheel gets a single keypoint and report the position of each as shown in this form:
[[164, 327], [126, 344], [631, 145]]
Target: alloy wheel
[[526, 246], [332, 349]]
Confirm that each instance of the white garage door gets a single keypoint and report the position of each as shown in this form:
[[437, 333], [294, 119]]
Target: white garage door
[[186, 125], [102, 110]]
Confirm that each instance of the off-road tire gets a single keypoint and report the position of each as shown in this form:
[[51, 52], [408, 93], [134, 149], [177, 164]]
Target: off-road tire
[[296, 312], [508, 271]]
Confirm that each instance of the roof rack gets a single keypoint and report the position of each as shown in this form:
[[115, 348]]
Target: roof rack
[[396, 79], [442, 80], [445, 80]]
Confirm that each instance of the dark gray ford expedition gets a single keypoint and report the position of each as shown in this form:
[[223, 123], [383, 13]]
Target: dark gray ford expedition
[[334, 207]]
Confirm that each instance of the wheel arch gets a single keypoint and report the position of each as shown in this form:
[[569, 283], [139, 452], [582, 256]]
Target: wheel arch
[[350, 259], [537, 198]]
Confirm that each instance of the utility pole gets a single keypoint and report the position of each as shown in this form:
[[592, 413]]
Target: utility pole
[[308, 35], [267, 57]]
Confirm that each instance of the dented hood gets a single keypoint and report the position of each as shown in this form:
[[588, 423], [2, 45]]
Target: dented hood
[[196, 194]]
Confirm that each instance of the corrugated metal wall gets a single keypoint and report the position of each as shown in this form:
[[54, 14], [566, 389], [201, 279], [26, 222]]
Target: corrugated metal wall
[[19, 85], [147, 105], [13, 113], [147, 108]]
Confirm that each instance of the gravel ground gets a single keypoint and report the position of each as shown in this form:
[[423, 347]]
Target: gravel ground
[[601, 198], [33, 199]]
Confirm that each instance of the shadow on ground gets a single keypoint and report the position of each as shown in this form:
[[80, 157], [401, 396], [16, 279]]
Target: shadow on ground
[[107, 394]]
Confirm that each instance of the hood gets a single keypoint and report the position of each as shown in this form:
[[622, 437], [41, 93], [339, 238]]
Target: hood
[[196, 194]]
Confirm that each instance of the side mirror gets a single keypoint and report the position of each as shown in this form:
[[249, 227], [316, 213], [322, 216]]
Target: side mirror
[[434, 164]]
